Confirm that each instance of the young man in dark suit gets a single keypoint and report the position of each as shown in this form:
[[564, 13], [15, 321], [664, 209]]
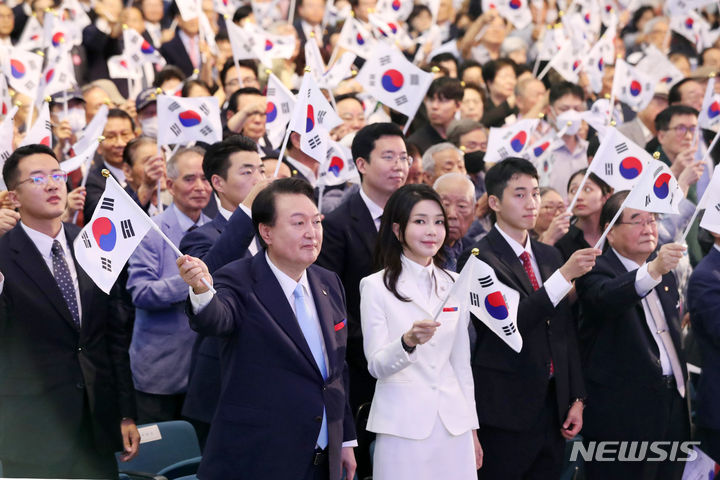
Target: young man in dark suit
[[630, 341], [283, 412], [528, 403], [704, 306], [183, 50], [66, 393]]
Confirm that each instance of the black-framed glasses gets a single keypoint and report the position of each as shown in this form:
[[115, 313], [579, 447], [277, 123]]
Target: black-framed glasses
[[683, 130], [42, 179]]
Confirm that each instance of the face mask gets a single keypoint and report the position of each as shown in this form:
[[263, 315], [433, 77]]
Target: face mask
[[76, 119], [149, 126], [475, 161], [574, 119]]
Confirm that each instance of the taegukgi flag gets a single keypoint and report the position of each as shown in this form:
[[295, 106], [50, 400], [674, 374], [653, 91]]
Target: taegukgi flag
[[619, 162], [117, 227], [183, 120], [656, 191]]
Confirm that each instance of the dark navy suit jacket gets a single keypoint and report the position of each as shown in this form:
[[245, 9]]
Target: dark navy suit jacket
[[271, 405], [704, 306]]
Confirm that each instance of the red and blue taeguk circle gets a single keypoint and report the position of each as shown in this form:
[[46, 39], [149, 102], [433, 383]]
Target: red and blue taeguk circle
[[336, 166], [713, 110], [635, 88], [105, 234], [309, 119], [189, 118], [518, 141], [630, 167], [146, 48], [495, 306], [271, 112], [17, 68], [392, 80], [661, 188]]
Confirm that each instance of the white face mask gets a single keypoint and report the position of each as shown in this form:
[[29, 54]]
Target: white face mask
[[149, 126], [570, 117], [75, 117]]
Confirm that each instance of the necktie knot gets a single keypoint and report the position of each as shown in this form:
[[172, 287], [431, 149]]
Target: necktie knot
[[57, 248], [298, 293]]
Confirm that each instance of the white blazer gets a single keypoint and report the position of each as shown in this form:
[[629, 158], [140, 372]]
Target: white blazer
[[436, 379]]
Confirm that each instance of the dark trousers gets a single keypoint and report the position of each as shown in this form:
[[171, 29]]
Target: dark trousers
[[84, 460], [153, 408], [675, 427], [362, 389], [535, 454], [319, 468]]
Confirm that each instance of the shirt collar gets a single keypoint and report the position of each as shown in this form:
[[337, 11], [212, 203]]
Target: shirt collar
[[287, 284], [415, 269], [44, 242], [517, 248], [716, 247], [375, 210], [304, 171], [117, 172], [185, 221], [629, 265]]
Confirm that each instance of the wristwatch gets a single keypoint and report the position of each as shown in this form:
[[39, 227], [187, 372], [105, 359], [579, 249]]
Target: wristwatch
[[405, 346]]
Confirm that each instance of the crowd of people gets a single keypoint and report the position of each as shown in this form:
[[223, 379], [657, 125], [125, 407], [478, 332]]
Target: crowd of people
[[306, 331]]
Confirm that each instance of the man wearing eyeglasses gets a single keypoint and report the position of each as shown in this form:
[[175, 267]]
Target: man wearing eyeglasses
[[630, 340], [66, 393]]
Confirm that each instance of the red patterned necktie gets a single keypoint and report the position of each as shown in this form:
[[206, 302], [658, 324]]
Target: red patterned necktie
[[525, 258]]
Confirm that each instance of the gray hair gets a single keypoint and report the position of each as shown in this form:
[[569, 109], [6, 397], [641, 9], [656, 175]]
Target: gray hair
[[458, 128], [457, 176], [652, 22], [171, 167], [428, 162]]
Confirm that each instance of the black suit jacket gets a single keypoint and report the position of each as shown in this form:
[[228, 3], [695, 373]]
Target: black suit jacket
[[349, 236], [48, 368], [620, 357], [175, 54], [273, 394], [510, 387]]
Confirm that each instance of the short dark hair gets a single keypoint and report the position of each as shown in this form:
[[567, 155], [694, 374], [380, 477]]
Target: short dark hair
[[497, 178], [241, 13], [611, 207], [216, 160], [118, 113], [604, 187], [388, 248], [189, 83], [663, 119], [263, 207], [10, 169], [168, 72], [129, 151], [417, 10], [446, 57], [233, 101], [674, 95], [365, 138], [468, 64], [447, 88], [348, 96], [491, 68], [230, 63], [559, 90]]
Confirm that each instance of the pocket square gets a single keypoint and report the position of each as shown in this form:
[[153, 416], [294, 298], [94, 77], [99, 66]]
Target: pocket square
[[340, 325]]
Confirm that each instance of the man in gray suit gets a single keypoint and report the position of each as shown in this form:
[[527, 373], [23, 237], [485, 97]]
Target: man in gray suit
[[641, 129], [162, 339]]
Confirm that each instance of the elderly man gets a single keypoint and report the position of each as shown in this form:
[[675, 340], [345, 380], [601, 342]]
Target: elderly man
[[441, 159], [458, 197]]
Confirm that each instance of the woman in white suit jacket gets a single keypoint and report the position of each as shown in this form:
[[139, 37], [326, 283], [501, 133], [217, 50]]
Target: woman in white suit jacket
[[423, 411]]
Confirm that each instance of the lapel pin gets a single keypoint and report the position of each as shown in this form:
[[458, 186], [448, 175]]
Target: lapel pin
[[324, 292], [667, 288]]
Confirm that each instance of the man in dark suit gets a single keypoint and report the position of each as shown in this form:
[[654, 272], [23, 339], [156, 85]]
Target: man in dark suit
[[630, 341], [66, 393], [528, 403], [704, 306], [236, 175], [283, 411], [183, 50]]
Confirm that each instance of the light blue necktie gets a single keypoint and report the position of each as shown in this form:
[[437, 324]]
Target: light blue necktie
[[314, 340]]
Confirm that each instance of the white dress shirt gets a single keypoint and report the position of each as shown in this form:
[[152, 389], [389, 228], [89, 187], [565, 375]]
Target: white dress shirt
[[644, 282], [556, 286], [375, 210], [304, 171], [117, 173], [44, 245]]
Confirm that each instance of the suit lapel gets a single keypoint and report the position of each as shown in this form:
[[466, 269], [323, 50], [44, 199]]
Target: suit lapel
[[507, 257], [268, 291], [364, 223], [324, 308], [29, 259]]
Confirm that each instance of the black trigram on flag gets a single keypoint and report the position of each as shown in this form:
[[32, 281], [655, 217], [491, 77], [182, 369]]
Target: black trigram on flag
[[173, 106], [106, 264], [127, 229], [5, 155], [486, 281], [620, 148], [175, 129], [474, 299], [270, 92], [509, 329], [285, 107], [414, 79], [401, 100], [203, 108], [320, 115], [314, 141], [108, 204], [503, 152], [647, 200], [206, 130], [608, 169], [385, 60], [86, 239], [717, 207]]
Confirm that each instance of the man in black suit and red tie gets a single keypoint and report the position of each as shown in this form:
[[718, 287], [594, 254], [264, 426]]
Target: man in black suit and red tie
[[66, 392], [631, 345], [528, 403]]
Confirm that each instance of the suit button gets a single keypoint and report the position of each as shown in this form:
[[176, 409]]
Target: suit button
[[80, 385], [318, 419], [324, 387], [80, 349], [657, 361]]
